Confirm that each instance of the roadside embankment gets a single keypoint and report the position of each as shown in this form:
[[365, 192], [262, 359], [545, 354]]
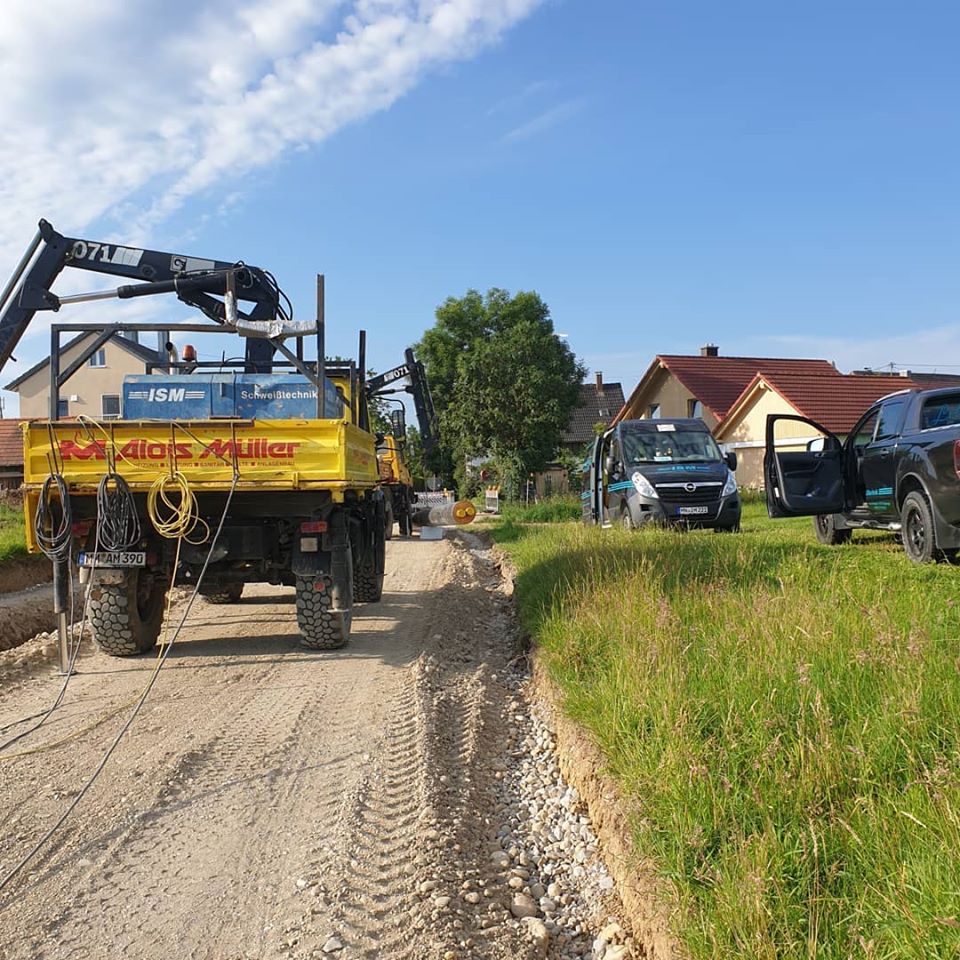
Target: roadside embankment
[[780, 721]]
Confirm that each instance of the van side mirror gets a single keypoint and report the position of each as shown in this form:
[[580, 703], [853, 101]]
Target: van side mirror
[[731, 459], [609, 465]]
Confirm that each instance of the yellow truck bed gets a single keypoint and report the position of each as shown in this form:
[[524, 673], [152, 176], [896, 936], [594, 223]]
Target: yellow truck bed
[[266, 454]]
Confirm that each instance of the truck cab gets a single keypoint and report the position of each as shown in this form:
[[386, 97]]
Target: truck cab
[[662, 472]]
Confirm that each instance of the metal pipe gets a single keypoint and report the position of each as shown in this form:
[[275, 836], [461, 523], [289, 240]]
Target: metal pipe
[[61, 604], [54, 372], [362, 380], [321, 347], [21, 266], [444, 514]]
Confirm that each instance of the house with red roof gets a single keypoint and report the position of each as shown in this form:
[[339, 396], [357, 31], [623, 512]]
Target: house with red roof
[[705, 386], [733, 396], [835, 402]]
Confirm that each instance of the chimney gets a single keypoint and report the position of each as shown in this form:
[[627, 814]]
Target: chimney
[[709, 350], [599, 384]]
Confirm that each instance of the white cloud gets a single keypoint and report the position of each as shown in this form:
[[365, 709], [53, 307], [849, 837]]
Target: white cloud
[[116, 114], [546, 120], [124, 111]]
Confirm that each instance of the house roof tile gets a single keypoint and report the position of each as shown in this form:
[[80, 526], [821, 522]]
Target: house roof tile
[[11, 443], [718, 381], [591, 409], [834, 402]]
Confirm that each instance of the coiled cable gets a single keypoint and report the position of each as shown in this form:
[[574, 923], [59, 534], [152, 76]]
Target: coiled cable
[[54, 534], [172, 508], [118, 523]]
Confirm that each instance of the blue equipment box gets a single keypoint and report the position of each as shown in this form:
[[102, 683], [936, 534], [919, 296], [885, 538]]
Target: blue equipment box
[[208, 396]]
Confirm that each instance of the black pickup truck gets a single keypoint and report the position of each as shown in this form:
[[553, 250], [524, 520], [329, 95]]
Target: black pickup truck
[[898, 470]]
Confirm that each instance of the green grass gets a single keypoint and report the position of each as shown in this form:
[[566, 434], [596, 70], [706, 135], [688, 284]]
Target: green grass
[[12, 543], [784, 716], [552, 510]]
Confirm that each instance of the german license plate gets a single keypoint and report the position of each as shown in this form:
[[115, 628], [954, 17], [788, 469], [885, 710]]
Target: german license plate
[[114, 558], [692, 511]]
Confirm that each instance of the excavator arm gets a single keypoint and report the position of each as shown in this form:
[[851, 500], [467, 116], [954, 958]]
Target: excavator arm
[[197, 282], [418, 388]]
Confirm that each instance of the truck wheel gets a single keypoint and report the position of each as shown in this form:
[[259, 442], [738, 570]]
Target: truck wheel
[[825, 527], [916, 521], [367, 583], [125, 617], [388, 521], [320, 627], [223, 593], [406, 523]]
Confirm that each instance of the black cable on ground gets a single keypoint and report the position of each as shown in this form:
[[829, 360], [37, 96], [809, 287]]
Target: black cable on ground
[[11, 874]]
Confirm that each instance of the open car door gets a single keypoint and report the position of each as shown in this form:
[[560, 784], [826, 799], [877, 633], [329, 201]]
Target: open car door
[[593, 505], [803, 468]]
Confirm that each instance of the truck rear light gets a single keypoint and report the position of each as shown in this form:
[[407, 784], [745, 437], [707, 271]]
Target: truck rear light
[[81, 528], [313, 526]]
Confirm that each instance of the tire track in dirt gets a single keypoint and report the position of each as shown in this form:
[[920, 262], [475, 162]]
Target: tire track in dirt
[[271, 802]]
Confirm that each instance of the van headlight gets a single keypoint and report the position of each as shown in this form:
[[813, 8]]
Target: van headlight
[[730, 487], [643, 486]]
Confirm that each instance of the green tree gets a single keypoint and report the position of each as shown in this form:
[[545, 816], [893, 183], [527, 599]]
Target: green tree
[[503, 382]]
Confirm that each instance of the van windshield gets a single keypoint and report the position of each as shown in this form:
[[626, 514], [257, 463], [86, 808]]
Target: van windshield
[[670, 446]]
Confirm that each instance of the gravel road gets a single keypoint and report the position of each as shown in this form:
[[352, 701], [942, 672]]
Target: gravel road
[[396, 799]]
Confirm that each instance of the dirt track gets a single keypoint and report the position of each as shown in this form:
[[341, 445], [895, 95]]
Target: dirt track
[[269, 798]]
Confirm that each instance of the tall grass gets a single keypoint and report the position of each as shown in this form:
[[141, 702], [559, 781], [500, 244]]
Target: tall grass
[[559, 509], [785, 716], [12, 542]]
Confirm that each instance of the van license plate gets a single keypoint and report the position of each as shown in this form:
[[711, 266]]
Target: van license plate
[[114, 558], [692, 511]]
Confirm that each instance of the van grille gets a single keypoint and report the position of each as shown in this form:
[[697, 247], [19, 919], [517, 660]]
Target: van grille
[[678, 493]]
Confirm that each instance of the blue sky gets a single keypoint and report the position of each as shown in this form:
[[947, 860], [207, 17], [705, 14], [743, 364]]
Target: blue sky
[[779, 181]]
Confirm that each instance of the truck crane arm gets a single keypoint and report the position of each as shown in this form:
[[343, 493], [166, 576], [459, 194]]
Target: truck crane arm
[[412, 370], [197, 282]]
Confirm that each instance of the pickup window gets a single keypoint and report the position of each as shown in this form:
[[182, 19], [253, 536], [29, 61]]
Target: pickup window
[[891, 418], [863, 432], [940, 412]]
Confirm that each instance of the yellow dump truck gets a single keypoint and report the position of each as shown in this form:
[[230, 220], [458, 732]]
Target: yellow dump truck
[[218, 473]]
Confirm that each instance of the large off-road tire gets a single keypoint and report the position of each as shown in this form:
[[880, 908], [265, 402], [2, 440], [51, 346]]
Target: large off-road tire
[[825, 527], [223, 593], [125, 617], [919, 536], [406, 522], [388, 520], [320, 627], [367, 583]]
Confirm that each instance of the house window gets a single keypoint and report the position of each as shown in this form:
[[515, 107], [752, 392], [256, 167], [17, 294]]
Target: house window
[[98, 359], [109, 406], [654, 412], [63, 409], [694, 408]]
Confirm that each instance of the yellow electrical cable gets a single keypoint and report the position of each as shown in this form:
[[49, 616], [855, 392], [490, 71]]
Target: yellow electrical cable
[[172, 493]]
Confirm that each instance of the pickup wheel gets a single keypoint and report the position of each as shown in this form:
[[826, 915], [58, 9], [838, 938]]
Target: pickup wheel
[[916, 519], [125, 617], [825, 527], [223, 593], [320, 627]]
